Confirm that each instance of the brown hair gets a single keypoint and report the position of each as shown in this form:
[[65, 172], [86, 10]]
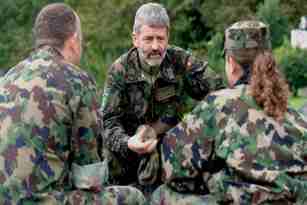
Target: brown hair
[[268, 87], [54, 25]]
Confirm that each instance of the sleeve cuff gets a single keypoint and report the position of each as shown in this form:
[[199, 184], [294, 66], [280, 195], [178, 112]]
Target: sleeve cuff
[[91, 175]]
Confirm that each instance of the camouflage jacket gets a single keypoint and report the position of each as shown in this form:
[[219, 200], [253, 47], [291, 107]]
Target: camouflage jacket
[[132, 98], [303, 110], [49, 119], [231, 147]]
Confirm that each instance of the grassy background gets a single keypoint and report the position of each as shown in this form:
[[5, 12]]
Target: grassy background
[[297, 102]]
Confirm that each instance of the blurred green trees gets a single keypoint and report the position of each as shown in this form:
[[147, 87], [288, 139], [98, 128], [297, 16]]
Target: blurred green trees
[[197, 25], [293, 64], [16, 20], [270, 13]]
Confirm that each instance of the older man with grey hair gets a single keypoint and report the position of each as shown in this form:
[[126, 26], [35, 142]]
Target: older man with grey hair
[[147, 91]]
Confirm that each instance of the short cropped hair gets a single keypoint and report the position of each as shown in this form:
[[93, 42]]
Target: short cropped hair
[[54, 25], [152, 14]]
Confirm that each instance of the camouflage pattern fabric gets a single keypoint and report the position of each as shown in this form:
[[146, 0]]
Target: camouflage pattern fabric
[[244, 39], [133, 97], [303, 110], [111, 195], [49, 120], [247, 35], [166, 196], [229, 146]]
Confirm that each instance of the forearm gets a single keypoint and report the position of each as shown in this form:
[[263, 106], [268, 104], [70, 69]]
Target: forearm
[[115, 139]]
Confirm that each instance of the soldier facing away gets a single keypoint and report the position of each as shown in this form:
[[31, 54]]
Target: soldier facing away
[[148, 88], [241, 145], [49, 122]]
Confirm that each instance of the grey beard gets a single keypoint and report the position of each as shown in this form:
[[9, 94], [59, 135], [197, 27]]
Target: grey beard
[[150, 66]]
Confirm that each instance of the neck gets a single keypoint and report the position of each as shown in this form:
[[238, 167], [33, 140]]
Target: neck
[[244, 77], [51, 49], [69, 56]]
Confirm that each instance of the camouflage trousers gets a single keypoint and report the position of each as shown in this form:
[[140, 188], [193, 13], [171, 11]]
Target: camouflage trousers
[[166, 196], [112, 195], [235, 195]]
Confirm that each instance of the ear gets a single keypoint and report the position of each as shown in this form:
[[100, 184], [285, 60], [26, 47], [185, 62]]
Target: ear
[[135, 40], [74, 40], [70, 44]]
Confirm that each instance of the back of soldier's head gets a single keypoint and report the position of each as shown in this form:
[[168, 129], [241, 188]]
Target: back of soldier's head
[[244, 39], [55, 24], [151, 14]]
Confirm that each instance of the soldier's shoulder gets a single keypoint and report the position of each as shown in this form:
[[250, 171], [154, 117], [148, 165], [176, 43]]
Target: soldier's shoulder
[[29, 68], [122, 63], [80, 74], [226, 94], [226, 99], [298, 117], [58, 71], [177, 51], [118, 65]]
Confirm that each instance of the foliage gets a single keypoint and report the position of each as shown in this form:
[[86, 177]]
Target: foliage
[[219, 14], [293, 64], [293, 9], [188, 27], [297, 102], [16, 20], [215, 53], [107, 25], [270, 13]]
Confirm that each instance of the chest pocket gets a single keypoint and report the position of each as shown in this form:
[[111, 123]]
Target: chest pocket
[[137, 95], [164, 91]]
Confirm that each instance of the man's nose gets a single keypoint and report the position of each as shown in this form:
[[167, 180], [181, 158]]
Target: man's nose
[[155, 45]]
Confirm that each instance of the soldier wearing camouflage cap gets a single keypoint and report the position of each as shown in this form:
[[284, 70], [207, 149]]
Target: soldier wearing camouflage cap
[[49, 121], [241, 145], [243, 41], [247, 35]]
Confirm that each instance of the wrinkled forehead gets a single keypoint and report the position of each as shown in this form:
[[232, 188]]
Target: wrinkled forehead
[[247, 34]]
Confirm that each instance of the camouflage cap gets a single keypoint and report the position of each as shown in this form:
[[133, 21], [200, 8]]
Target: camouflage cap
[[247, 35]]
